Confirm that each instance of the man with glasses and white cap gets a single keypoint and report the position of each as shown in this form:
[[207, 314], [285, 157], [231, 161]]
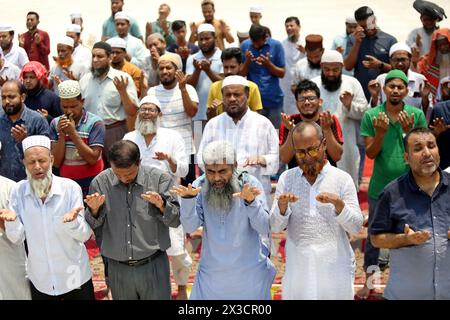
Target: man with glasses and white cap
[[47, 211], [12, 53], [81, 53]]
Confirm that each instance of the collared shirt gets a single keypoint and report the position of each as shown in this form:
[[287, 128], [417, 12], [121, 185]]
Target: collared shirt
[[417, 272], [425, 39], [204, 82], [320, 262], [291, 56], [261, 139], [82, 54], [11, 153], [57, 258], [78, 70], [44, 99], [341, 41], [234, 262], [109, 28], [442, 110], [17, 56], [377, 46], [102, 98], [269, 85], [132, 228], [168, 141], [137, 51], [389, 164], [14, 284], [37, 52], [174, 116]]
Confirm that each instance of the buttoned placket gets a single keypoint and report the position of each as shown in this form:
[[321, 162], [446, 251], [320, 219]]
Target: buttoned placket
[[129, 197]]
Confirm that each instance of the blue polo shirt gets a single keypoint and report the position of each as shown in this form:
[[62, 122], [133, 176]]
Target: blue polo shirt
[[268, 84], [11, 153], [416, 272], [377, 46], [44, 99], [442, 110]]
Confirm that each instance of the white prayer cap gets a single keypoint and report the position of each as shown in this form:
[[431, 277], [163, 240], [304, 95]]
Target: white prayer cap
[[256, 8], [205, 27], [76, 15], [350, 19], [117, 42], [332, 56], [399, 46], [150, 99], [230, 80], [6, 28], [73, 28], [35, 141], [121, 15], [219, 152], [69, 89], [67, 41], [243, 34]]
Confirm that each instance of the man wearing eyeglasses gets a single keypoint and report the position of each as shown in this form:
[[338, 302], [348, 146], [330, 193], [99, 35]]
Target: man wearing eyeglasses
[[318, 205]]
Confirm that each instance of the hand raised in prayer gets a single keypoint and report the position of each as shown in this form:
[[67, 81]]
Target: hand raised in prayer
[[326, 197], [406, 121], [193, 27], [284, 199], [415, 56], [374, 89], [370, 62], [300, 48], [326, 121], [418, 41], [72, 215], [359, 34], [121, 84], [3, 80], [57, 80], [381, 123], [425, 89], [37, 38], [66, 125], [43, 112], [287, 122], [186, 192], [154, 198], [21, 39], [346, 99], [19, 132], [206, 65], [154, 55], [248, 193], [94, 202], [255, 161], [211, 112], [439, 126], [183, 52], [161, 156], [197, 64], [263, 59], [181, 78], [340, 49], [415, 237], [249, 56], [7, 215], [69, 74]]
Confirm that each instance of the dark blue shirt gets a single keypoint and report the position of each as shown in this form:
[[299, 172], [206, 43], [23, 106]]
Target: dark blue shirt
[[268, 84], [11, 153], [442, 110], [44, 99], [193, 47], [377, 46], [422, 271]]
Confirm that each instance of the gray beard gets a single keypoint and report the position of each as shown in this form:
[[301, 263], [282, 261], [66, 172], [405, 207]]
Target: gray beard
[[147, 127], [40, 187], [222, 199]]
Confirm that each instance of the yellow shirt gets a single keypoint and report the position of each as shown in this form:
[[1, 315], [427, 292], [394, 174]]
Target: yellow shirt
[[254, 98]]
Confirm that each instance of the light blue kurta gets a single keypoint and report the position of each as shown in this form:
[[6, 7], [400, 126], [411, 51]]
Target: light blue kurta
[[234, 261]]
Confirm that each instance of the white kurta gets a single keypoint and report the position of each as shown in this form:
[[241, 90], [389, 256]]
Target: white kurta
[[82, 54], [348, 119], [320, 262], [302, 71], [291, 55], [137, 51]]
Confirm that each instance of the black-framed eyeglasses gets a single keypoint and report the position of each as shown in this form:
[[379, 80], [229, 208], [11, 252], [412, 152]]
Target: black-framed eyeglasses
[[309, 98], [311, 151]]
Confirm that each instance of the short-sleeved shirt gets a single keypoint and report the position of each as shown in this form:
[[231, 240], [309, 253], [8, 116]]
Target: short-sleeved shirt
[[377, 46], [442, 110], [91, 130], [389, 163], [296, 118], [109, 28], [268, 84], [254, 98], [416, 272]]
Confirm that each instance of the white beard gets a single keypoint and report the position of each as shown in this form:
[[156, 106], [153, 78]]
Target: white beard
[[40, 187], [147, 127]]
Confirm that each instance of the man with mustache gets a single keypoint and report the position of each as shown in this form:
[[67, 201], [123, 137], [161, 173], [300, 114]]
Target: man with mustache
[[231, 207], [12, 52], [318, 205], [47, 211], [412, 220], [383, 129]]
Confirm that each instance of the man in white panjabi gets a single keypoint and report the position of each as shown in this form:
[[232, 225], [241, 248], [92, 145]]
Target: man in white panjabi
[[343, 96], [164, 149], [14, 284], [318, 205]]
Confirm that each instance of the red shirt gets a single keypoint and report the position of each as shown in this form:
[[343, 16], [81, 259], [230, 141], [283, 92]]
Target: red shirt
[[37, 52]]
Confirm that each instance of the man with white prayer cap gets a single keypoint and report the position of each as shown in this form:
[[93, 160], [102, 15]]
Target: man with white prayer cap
[[47, 211], [343, 97], [12, 53], [340, 41], [231, 206], [255, 13], [81, 53], [109, 26]]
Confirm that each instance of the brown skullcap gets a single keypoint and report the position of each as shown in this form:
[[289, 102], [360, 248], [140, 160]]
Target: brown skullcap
[[313, 42]]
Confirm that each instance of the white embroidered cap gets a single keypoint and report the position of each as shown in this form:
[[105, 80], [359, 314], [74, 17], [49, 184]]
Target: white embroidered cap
[[35, 141], [350, 19], [256, 8], [67, 41], [205, 27], [121, 15], [117, 42], [399, 46], [73, 28], [150, 99], [230, 80], [69, 89], [6, 28], [332, 56], [76, 15]]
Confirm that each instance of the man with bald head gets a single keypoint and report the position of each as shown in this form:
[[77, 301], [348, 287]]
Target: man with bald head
[[318, 205], [47, 211]]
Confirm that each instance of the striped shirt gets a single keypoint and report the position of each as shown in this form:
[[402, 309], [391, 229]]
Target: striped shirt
[[174, 117]]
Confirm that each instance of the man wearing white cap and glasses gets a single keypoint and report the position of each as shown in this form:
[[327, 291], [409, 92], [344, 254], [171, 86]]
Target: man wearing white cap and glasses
[[109, 26], [81, 53], [13, 53], [343, 96], [48, 212]]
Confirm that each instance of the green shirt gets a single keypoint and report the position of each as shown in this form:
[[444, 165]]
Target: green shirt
[[389, 163], [169, 37], [109, 28]]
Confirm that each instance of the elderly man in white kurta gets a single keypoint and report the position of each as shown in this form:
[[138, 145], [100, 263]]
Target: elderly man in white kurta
[[318, 205], [252, 135], [344, 97], [14, 284]]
